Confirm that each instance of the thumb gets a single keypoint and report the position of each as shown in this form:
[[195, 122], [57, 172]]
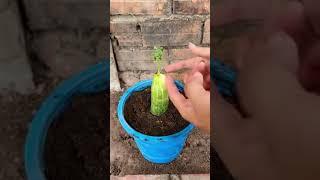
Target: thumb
[[194, 89], [199, 99]]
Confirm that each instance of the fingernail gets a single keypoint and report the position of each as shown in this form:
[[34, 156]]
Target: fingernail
[[191, 45]]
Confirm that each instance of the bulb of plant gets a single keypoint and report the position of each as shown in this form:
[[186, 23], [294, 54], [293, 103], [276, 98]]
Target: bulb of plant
[[159, 93]]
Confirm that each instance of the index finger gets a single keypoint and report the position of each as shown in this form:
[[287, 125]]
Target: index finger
[[185, 64], [200, 51]]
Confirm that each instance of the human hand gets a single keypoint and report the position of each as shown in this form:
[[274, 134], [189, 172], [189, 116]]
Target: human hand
[[272, 135], [200, 63], [196, 107]]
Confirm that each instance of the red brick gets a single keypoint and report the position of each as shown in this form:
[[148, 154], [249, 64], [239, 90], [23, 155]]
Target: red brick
[[206, 32], [191, 7], [137, 59], [154, 32], [129, 40], [119, 26], [179, 54], [53, 14], [138, 7], [171, 33]]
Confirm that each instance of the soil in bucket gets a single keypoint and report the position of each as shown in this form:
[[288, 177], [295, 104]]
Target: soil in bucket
[[138, 116], [77, 145]]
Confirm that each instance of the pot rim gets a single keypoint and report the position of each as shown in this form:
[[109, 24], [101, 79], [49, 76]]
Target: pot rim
[[139, 86], [94, 79]]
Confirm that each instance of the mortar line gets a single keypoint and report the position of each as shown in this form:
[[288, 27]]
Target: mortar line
[[114, 54], [23, 15], [202, 31], [172, 8]]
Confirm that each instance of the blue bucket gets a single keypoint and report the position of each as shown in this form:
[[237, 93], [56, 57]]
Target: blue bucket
[[93, 80], [156, 149]]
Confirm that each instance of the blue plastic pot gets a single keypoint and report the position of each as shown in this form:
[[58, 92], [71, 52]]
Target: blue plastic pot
[[93, 80], [156, 149]]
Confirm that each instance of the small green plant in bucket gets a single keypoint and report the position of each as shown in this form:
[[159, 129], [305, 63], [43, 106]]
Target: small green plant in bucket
[[159, 93]]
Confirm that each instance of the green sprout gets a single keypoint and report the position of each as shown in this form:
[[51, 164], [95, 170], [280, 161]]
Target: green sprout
[[157, 57], [159, 93]]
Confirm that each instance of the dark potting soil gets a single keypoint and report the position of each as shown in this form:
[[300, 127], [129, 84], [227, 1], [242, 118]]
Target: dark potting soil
[[137, 114], [77, 144]]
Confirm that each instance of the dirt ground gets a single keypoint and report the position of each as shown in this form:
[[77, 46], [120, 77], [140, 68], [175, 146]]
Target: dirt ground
[[16, 112], [77, 143], [126, 159]]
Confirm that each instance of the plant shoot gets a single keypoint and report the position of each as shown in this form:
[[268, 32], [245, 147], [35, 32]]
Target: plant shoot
[[159, 93]]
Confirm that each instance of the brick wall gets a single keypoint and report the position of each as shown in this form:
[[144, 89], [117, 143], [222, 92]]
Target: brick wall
[[67, 35], [136, 26]]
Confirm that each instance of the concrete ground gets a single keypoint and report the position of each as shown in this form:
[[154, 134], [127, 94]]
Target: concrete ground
[[126, 160]]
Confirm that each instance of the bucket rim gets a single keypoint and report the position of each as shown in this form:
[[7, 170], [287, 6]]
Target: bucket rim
[[50, 107], [139, 86]]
